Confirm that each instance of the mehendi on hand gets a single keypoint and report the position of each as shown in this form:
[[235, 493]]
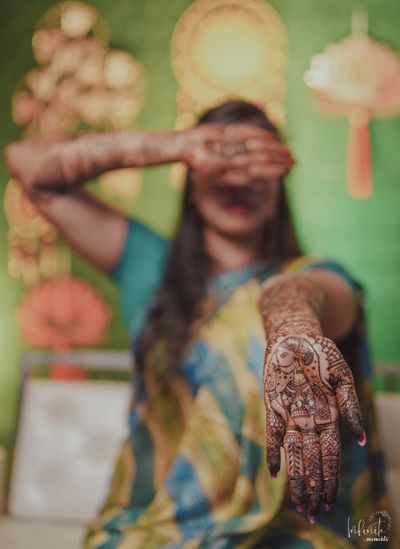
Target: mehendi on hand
[[306, 384]]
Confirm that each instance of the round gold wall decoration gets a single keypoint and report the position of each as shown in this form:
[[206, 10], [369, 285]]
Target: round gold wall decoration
[[230, 48]]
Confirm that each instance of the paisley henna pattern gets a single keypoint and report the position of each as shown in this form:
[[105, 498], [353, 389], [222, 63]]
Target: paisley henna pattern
[[306, 383]]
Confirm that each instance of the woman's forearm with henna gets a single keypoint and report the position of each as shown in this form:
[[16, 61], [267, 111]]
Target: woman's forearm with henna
[[98, 153], [60, 165], [291, 306]]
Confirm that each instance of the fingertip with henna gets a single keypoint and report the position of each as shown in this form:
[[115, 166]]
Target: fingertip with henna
[[274, 464]]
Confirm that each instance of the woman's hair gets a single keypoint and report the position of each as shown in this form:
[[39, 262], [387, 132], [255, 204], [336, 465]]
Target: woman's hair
[[188, 267]]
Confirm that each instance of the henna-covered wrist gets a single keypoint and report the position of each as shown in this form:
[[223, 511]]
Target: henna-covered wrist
[[291, 306]]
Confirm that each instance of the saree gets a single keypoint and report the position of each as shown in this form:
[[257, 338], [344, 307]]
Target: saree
[[193, 473]]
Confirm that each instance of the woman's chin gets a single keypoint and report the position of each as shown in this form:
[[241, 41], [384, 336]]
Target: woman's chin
[[238, 226]]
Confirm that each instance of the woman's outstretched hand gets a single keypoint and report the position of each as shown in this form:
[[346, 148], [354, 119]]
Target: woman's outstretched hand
[[236, 153], [306, 384]]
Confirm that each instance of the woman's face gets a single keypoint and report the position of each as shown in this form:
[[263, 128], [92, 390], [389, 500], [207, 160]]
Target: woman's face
[[235, 210]]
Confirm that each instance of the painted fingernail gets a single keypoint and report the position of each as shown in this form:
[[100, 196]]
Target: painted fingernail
[[312, 519], [362, 439], [300, 507], [273, 476], [328, 506]]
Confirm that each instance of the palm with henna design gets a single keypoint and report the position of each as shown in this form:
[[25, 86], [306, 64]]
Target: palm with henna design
[[307, 383]]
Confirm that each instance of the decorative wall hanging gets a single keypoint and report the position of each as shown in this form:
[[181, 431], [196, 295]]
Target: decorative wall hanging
[[358, 78], [228, 49], [32, 239], [79, 84], [63, 313]]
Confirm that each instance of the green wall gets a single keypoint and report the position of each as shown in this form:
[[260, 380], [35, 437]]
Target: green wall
[[363, 235]]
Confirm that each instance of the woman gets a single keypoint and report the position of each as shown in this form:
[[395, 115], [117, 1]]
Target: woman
[[193, 474]]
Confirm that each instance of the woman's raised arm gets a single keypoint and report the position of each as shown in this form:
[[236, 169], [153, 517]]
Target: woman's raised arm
[[52, 172]]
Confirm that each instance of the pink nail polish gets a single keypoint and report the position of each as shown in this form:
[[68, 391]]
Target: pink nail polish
[[312, 519], [273, 476], [300, 508], [328, 506], [362, 439]]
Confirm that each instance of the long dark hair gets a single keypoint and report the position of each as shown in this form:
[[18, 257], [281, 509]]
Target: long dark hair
[[188, 267]]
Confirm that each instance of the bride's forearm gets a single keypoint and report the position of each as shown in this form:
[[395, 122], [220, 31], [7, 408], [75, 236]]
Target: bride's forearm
[[61, 164], [130, 149], [290, 304]]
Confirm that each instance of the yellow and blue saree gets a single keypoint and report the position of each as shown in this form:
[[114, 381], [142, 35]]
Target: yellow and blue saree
[[193, 473]]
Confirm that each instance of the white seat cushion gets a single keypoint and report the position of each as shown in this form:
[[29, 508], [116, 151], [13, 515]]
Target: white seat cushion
[[69, 435]]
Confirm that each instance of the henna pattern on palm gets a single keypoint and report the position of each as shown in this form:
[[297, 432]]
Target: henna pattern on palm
[[307, 383]]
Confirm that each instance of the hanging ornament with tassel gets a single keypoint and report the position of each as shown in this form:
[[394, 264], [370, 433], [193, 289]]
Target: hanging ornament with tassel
[[358, 78]]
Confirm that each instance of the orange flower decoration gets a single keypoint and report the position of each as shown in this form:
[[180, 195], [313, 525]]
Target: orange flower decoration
[[62, 313]]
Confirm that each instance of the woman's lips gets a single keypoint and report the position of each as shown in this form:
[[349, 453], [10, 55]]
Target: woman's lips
[[238, 208]]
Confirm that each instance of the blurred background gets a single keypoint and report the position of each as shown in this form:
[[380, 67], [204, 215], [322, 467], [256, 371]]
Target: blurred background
[[327, 72]]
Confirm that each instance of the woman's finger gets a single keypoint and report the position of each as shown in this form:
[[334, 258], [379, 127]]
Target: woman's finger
[[264, 154], [260, 157], [207, 162], [257, 144], [275, 431], [349, 408], [313, 473], [330, 451], [237, 176], [293, 445], [342, 381], [252, 139], [235, 132], [268, 171], [275, 148]]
